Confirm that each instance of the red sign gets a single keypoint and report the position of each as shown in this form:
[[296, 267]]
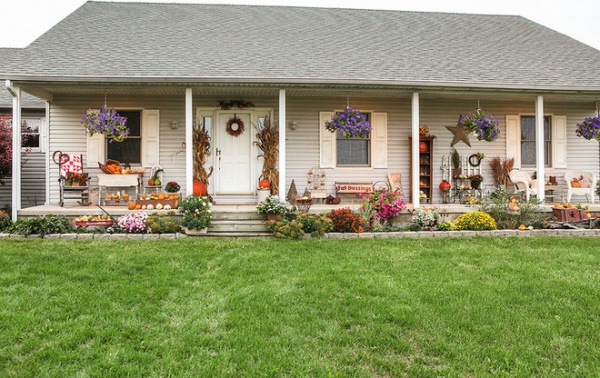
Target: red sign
[[353, 188]]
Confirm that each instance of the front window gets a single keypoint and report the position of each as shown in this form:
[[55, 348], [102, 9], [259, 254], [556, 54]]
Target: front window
[[528, 141], [30, 132], [130, 150], [354, 152]]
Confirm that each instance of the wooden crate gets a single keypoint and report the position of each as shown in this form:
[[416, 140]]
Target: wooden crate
[[569, 215]]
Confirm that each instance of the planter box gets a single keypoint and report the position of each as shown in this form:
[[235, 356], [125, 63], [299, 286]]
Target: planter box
[[94, 223], [569, 215]]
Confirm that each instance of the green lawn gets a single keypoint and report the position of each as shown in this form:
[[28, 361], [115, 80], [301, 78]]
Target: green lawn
[[453, 307]]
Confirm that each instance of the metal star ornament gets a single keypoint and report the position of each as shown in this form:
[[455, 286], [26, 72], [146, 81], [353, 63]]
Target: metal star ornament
[[460, 134]]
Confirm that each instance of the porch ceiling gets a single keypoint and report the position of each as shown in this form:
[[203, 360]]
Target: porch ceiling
[[237, 90]]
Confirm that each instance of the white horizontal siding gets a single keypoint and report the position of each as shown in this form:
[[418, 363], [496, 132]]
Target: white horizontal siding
[[33, 182], [302, 152]]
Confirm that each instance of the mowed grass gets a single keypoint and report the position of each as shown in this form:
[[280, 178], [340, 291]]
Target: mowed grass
[[454, 307]]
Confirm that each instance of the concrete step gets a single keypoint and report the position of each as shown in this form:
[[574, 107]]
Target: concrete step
[[239, 215], [247, 225]]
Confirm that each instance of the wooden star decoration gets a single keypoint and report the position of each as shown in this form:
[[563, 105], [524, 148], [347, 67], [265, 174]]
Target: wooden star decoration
[[460, 134]]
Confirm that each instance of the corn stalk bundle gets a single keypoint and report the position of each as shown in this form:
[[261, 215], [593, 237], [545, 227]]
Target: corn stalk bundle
[[201, 141], [268, 143], [500, 170]]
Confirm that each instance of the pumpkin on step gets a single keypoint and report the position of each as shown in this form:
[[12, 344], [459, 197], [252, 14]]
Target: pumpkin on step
[[264, 184], [199, 189], [131, 205]]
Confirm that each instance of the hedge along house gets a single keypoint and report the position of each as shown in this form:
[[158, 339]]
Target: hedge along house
[[170, 65]]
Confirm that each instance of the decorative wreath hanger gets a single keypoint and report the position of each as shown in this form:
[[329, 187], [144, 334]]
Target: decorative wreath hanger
[[235, 126]]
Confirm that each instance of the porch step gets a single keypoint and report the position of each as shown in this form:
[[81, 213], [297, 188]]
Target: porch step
[[237, 224]]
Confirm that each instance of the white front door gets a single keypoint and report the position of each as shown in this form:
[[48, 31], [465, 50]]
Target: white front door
[[233, 154]]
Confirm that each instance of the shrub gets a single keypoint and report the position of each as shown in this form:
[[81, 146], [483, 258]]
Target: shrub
[[42, 225], [382, 205], [445, 226], [5, 221], [425, 218], [162, 223], [475, 220], [272, 205], [344, 220], [530, 213], [315, 224], [285, 228], [196, 212], [134, 223]]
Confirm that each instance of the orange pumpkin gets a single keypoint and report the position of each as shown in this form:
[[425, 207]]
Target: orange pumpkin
[[138, 207], [161, 196], [150, 182], [264, 184], [199, 189], [131, 205]]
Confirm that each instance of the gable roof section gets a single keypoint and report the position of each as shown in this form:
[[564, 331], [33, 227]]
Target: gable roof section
[[234, 43]]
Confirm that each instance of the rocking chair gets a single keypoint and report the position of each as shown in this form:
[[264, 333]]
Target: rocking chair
[[72, 182]]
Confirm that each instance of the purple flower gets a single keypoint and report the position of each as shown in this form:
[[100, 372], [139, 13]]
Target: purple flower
[[350, 122], [484, 125], [589, 128], [105, 121]]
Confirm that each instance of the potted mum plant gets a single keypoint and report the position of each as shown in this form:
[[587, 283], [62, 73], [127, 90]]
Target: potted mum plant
[[105, 121], [485, 126], [476, 181], [589, 128], [351, 123], [196, 214], [273, 206], [172, 187]]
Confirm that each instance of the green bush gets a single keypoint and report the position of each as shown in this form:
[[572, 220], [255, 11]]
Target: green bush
[[285, 229], [530, 213], [42, 225], [315, 224], [162, 223], [445, 226], [475, 220]]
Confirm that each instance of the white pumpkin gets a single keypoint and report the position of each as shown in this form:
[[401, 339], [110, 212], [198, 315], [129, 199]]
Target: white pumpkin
[[167, 207], [150, 207], [159, 206]]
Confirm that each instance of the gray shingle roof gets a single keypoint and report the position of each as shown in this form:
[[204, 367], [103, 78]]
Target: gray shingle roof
[[179, 42]]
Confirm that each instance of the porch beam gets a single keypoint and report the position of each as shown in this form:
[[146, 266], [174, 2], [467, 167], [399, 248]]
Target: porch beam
[[189, 143], [16, 146], [282, 146], [414, 147], [539, 143]]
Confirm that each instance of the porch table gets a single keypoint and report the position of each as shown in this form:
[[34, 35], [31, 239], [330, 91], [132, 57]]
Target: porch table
[[106, 181]]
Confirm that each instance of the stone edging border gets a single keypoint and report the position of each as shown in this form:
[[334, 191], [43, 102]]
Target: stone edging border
[[333, 235]]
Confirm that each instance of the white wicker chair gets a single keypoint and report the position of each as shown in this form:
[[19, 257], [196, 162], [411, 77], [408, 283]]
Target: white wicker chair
[[523, 182], [588, 192]]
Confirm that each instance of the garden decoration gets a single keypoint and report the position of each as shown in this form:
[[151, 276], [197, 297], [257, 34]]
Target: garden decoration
[[589, 128], [235, 104], [485, 126], [235, 126], [476, 181], [351, 123], [475, 159], [316, 178], [460, 134], [105, 121], [273, 207], [201, 141], [267, 140]]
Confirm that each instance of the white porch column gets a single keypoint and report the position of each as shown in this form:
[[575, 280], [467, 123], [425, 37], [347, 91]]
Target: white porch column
[[539, 147], [282, 123], [414, 147], [16, 146], [189, 146]]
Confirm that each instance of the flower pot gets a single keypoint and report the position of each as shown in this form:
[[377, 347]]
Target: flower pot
[[273, 217], [475, 184], [262, 194]]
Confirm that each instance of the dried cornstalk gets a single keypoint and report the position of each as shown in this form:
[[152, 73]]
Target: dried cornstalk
[[500, 170], [201, 141], [268, 143]]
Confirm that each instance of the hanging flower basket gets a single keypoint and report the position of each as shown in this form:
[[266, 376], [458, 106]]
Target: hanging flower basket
[[484, 125], [105, 121], [351, 123], [589, 128]]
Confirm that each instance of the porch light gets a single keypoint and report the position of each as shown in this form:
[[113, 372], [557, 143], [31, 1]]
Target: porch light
[[174, 124], [293, 125]]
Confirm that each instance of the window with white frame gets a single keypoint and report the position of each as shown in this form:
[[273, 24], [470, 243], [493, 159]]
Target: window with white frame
[[354, 151], [528, 141], [130, 150], [30, 132]]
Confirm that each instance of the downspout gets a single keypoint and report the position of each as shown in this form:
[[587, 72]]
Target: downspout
[[45, 139], [16, 145]]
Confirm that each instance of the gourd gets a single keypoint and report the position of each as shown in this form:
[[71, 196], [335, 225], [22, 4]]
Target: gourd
[[131, 205]]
